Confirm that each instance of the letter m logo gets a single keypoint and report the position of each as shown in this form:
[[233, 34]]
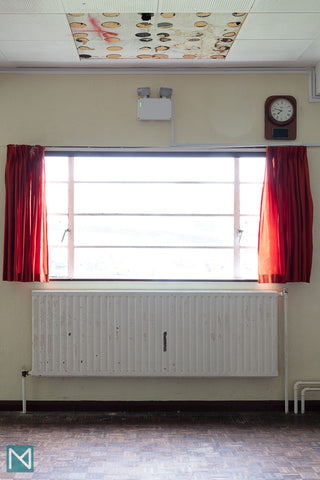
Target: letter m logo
[[19, 458]]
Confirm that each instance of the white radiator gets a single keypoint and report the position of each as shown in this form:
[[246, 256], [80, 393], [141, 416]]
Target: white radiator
[[155, 333]]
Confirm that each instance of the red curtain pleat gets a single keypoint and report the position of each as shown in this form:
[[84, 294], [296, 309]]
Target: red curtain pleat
[[286, 217], [25, 235]]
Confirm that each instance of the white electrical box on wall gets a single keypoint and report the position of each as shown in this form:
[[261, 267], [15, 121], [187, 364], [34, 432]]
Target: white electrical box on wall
[[154, 109]]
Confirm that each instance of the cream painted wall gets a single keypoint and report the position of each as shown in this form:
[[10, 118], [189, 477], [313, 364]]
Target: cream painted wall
[[100, 110]]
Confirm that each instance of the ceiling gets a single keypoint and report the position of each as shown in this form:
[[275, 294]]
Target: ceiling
[[179, 33]]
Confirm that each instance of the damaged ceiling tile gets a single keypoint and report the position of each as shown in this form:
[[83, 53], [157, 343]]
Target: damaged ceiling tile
[[167, 35]]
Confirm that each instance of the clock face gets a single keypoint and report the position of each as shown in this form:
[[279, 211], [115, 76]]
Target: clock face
[[281, 110], [280, 117]]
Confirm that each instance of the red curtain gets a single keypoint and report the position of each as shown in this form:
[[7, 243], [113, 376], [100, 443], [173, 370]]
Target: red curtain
[[25, 235], [286, 216]]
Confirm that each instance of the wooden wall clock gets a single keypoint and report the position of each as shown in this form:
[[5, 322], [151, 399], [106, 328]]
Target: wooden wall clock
[[280, 117]]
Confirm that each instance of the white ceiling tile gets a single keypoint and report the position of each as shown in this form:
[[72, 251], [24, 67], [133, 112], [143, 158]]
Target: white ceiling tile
[[267, 50], [312, 53], [31, 6], [34, 27], [217, 6], [2, 56], [27, 52], [302, 6], [100, 6], [280, 26], [125, 6]]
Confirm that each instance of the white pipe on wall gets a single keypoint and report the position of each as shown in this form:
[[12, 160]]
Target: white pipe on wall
[[303, 392], [285, 353], [24, 374], [296, 392]]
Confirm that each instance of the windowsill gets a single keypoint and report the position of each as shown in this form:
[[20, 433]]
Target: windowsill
[[169, 285]]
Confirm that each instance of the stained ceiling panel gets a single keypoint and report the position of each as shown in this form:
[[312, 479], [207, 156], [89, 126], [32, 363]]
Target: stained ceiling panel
[[217, 6], [97, 6], [31, 6], [281, 26], [34, 27], [276, 6], [163, 36]]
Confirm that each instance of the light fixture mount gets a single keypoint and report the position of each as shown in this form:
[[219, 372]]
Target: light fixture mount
[[146, 16]]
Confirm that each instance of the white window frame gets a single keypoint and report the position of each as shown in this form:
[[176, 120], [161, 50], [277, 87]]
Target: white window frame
[[235, 215]]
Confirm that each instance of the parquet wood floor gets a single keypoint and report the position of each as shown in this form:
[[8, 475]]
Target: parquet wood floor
[[165, 446]]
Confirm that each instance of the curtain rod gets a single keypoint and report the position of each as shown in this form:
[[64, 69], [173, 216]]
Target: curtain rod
[[179, 148]]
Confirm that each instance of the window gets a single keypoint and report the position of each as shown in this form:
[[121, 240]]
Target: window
[[177, 217]]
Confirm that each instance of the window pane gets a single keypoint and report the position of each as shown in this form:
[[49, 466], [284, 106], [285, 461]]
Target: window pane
[[57, 197], [154, 169], [123, 263], [57, 224], [250, 228], [153, 231], [155, 198], [251, 169], [249, 263], [149, 202], [250, 198], [57, 169], [58, 262]]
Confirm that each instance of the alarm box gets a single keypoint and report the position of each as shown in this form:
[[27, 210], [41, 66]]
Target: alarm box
[[154, 109]]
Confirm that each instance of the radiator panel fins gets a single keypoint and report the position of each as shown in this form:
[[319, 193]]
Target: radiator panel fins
[[155, 334]]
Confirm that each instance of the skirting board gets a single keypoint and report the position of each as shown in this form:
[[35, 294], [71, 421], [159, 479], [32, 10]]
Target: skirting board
[[195, 407]]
